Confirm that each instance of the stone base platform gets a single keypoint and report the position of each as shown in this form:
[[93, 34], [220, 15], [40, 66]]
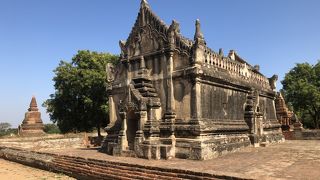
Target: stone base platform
[[289, 160]]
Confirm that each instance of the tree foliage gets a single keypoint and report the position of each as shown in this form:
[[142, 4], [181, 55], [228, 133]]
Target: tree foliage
[[51, 129], [4, 126], [301, 87], [6, 130], [80, 102]]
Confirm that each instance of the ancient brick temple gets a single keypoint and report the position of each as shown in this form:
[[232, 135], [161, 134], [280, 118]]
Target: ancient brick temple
[[32, 124], [284, 115], [173, 97]]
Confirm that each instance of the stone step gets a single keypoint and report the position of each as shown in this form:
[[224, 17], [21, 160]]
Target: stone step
[[149, 94], [128, 171], [150, 173], [89, 168], [116, 170], [96, 172], [146, 89]]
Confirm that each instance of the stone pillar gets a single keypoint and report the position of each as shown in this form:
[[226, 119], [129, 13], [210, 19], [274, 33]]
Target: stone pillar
[[142, 120], [170, 104], [259, 124], [139, 134], [154, 129], [122, 139], [130, 71], [112, 110], [142, 63], [249, 117], [170, 95], [196, 99]]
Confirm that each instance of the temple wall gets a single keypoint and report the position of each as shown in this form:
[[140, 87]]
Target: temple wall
[[180, 61], [221, 103], [182, 96], [267, 108], [161, 90], [116, 97]]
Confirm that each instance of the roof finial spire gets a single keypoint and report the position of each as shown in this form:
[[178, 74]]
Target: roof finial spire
[[198, 36], [144, 3], [221, 52]]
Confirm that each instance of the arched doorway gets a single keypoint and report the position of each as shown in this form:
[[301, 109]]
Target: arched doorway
[[132, 128]]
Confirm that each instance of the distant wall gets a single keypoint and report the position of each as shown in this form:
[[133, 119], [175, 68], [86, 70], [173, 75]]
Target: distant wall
[[43, 143], [305, 134]]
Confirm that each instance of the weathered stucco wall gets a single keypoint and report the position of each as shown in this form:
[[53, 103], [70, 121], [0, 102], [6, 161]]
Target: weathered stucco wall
[[221, 103], [182, 95], [267, 108]]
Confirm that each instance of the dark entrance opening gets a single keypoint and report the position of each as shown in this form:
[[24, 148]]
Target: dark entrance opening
[[132, 128]]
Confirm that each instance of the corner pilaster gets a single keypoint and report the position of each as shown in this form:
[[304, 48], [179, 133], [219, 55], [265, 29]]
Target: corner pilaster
[[170, 114]]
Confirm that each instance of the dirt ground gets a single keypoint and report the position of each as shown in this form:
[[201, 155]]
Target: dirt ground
[[11, 170], [295, 159]]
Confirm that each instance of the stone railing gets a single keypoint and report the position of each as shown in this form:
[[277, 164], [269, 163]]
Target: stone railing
[[242, 70]]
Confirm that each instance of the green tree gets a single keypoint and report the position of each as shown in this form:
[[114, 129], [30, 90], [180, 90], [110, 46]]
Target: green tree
[[5, 129], [51, 129], [80, 102], [4, 126], [301, 87]]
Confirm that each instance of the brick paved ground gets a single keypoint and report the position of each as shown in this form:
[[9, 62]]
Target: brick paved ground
[[289, 160], [15, 171]]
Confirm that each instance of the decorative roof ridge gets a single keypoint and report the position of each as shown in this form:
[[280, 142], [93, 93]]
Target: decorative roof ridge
[[132, 30], [157, 18], [186, 41], [145, 9], [238, 58]]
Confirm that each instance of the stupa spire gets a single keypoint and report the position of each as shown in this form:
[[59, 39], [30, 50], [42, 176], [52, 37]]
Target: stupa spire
[[33, 104]]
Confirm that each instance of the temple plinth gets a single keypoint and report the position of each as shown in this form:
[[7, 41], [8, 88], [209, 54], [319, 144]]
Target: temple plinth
[[32, 124]]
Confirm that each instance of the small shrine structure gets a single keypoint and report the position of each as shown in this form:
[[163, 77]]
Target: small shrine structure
[[32, 124]]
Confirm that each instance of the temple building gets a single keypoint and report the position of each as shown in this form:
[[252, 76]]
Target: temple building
[[171, 97], [32, 124], [284, 115]]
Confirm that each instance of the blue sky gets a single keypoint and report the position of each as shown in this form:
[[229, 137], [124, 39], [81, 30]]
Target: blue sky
[[36, 34]]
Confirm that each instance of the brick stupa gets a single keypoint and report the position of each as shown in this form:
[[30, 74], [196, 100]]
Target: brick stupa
[[32, 124]]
